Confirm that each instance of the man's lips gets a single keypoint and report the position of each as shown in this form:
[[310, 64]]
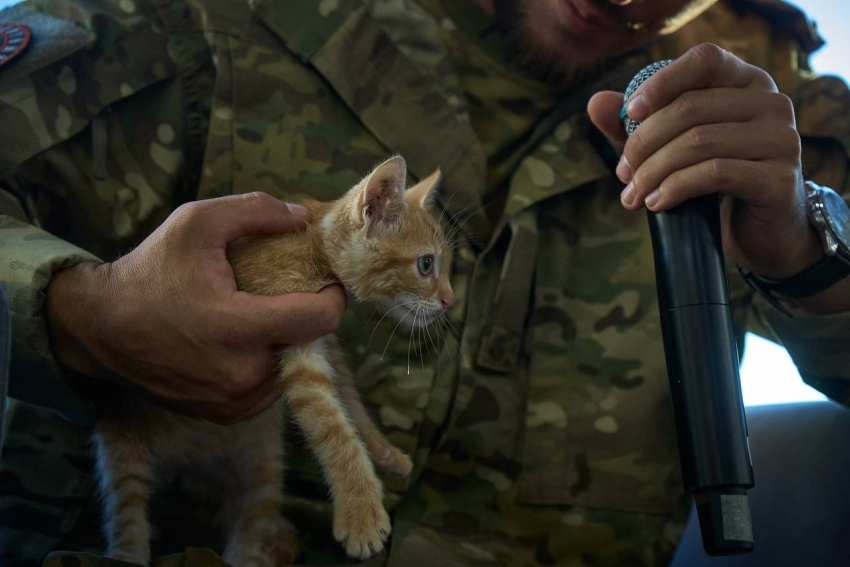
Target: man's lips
[[584, 18]]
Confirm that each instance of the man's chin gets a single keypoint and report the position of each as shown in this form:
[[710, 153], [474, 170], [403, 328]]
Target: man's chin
[[567, 63]]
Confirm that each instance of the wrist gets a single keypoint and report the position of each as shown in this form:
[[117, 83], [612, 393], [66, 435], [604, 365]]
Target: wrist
[[804, 252], [822, 286], [807, 255], [799, 248], [71, 310]]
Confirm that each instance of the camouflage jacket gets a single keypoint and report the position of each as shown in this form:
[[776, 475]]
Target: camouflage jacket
[[544, 433]]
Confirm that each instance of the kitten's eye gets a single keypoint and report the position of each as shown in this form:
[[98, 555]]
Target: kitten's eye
[[425, 264]]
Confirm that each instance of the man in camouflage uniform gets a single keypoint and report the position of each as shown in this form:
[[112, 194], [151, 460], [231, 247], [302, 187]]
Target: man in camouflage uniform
[[543, 435]]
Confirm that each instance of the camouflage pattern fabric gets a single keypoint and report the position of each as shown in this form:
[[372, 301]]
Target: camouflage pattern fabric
[[541, 426]]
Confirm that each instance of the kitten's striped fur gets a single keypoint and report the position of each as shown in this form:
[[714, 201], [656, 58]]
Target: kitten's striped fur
[[369, 240]]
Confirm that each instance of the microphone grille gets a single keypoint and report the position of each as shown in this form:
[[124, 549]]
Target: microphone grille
[[637, 81]]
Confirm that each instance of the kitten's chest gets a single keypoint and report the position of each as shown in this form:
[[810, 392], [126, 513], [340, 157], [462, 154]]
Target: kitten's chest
[[185, 442]]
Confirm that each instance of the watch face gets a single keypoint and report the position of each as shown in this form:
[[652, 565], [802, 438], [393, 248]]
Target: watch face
[[837, 215]]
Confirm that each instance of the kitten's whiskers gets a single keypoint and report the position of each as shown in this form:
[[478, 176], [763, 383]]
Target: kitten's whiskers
[[396, 327], [413, 332], [382, 318]]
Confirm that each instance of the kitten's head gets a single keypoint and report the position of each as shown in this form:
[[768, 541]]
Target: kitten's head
[[392, 251]]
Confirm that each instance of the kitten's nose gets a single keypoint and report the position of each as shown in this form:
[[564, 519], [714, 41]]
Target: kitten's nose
[[447, 300]]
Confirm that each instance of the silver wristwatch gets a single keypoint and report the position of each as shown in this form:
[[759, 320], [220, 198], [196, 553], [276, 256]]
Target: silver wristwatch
[[830, 215]]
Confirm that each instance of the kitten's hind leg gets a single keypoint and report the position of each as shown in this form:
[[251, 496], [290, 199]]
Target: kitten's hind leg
[[125, 471], [360, 521], [386, 456], [259, 535]]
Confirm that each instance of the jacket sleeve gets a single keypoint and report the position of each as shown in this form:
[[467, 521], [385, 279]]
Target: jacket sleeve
[[818, 344], [29, 257], [75, 67]]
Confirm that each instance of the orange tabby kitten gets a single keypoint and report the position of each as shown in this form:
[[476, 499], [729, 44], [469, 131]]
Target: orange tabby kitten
[[383, 245]]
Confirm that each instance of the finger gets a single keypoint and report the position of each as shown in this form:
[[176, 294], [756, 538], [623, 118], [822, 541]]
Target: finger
[[226, 219], [694, 108], [725, 141], [241, 398], [293, 318], [704, 66], [604, 110], [762, 185], [265, 399]]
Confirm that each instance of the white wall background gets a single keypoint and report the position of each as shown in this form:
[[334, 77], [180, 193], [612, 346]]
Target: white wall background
[[767, 373]]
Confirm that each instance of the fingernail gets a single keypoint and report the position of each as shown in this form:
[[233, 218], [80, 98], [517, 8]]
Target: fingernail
[[628, 194], [638, 108], [652, 199], [297, 210], [624, 170]]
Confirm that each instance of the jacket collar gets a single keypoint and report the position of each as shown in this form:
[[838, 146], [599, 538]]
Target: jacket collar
[[409, 111]]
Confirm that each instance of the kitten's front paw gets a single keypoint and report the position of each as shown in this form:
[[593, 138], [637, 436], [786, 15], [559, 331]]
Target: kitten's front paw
[[363, 530], [392, 461]]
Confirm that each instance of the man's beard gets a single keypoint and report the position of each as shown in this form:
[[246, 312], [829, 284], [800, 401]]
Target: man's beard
[[553, 62], [547, 65]]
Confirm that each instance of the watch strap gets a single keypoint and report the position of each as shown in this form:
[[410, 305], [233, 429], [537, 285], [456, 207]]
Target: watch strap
[[817, 278]]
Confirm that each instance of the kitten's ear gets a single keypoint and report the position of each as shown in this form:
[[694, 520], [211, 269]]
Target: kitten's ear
[[424, 192], [382, 195]]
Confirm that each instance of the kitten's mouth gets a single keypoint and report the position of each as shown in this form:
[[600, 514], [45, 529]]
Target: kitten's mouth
[[430, 316], [416, 315]]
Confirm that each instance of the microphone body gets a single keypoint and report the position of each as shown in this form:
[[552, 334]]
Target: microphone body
[[702, 363]]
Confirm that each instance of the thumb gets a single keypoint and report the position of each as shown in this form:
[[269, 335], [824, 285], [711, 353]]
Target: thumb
[[604, 110], [226, 219]]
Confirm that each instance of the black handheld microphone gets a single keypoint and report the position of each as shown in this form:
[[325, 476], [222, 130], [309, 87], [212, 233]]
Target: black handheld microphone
[[702, 362]]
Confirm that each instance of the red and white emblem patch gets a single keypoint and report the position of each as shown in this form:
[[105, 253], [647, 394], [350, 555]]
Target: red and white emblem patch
[[14, 38]]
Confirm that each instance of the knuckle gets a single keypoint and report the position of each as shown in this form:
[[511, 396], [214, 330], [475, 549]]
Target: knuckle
[[718, 171], [643, 178], [258, 199], [236, 384], [686, 105], [762, 77], [634, 144], [672, 186], [709, 55], [793, 141], [699, 137], [781, 104], [787, 179], [188, 213]]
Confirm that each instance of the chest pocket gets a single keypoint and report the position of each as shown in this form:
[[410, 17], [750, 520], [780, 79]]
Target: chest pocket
[[599, 429], [578, 277]]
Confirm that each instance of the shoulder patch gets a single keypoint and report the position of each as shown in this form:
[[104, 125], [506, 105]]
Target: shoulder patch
[[14, 38]]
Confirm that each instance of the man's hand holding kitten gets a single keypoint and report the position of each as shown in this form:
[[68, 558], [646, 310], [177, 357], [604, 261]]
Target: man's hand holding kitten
[[168, 317]]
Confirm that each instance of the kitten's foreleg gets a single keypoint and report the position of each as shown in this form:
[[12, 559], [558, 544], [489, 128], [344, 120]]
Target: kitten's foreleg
[[386, 456], [125, 471], [360, 521], [259, 535]]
